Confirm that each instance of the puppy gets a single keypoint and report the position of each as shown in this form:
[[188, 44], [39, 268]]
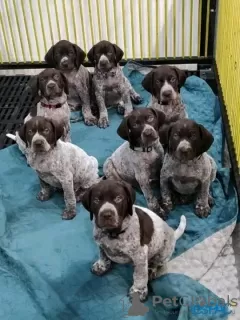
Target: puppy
[[187, 168], [58, 164], [68, 58], [126, 233], [164, 84], [110, 84], [138, 161], [50, 89]]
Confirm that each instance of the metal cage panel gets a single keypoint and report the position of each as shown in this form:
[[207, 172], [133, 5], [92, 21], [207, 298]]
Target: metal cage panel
[[228, 64], [145, 29]]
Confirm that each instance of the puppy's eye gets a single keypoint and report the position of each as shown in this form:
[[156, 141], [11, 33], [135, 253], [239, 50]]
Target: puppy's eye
[[118, 199], [176, 136], [56, 77], [159, 81], [30, 132], [150, 118], [96, 200], [46, 130], [172, 79]]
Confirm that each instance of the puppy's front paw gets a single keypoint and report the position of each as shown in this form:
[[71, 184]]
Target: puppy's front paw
[[90, 120], [100, 267], [136, 98], [142, 293], [167, 205], [202, 211], [103, 122], [43, 195], [120, 108], [68, 214]]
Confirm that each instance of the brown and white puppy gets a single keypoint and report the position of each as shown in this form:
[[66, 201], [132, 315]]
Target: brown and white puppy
[[69, 58], [126, 233], [50, 89], [187, 168], [138, 161], [164, 84], [59, 164], [110, 85]]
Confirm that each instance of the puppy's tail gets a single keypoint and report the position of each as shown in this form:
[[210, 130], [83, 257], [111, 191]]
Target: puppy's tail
[[181, 228], [11, 136]]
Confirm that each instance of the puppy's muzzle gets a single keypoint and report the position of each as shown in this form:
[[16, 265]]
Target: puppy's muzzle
[[167, 94], [149, 132], [107, 219], [64, 62], [51, 85], [184, 147]]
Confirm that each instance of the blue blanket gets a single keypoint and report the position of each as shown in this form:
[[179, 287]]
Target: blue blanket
[[45, 261]]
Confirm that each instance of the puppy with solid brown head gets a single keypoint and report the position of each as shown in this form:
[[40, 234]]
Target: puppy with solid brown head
[[68, 58], [58, 164], [126, 233], [50, 89], [187, 168], [138, 161], [110, 84], [164, 84]]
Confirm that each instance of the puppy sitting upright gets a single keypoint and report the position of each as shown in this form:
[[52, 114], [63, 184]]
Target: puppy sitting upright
[[138, 161], [164, 84], [50, 90], [68, 58], [110, 84], [187, 168], [58, 164], [129, 234]]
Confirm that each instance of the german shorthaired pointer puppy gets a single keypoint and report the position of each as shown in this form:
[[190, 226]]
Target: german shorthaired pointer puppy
[[68, 58], [110, 85], [138, 161], [164, 85], [126, 233], [187, 168], [50, 89], [58, 164]]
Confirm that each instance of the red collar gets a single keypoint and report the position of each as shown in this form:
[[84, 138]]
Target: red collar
[[51, 106]]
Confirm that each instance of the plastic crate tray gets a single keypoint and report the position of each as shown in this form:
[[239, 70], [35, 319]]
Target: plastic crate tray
[[15, 102]]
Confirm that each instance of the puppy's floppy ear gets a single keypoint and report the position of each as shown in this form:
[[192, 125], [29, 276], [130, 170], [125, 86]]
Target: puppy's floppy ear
[[33, 86], [181, 75], [164, 134], [57, 129], [65, 83], [147, 82], [122, 130], [49, 57], [131, 196], [87, 200], [90, 54], [160, 116], [206, 140], [118, 53], [22, 133], [80, 55]]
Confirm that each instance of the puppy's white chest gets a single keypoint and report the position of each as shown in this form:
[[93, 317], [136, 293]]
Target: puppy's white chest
[[184, 180]]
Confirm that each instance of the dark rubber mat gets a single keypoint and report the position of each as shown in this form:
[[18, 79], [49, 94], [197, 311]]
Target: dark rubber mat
[[15, 101]]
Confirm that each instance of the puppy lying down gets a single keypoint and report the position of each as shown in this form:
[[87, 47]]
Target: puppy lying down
[[126, 233], [59, 165]]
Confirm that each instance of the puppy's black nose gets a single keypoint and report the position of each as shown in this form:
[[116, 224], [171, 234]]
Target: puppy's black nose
[[167, 93], [51, 85], [103, 62], [38, 143], [107, 214], [65, 63]]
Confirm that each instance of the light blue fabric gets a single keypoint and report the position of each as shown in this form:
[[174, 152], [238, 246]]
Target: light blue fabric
[[45, 262]]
